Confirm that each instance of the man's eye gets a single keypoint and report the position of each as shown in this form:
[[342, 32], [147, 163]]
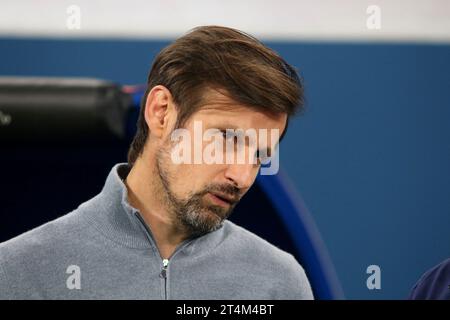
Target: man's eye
[[229, 137], [224, 133], [258, 157], [262, 157]]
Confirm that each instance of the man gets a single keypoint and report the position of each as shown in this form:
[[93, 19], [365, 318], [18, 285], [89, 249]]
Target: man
[[158, 229]]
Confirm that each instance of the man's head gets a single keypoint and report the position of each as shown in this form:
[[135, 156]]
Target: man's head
[[223, 79]]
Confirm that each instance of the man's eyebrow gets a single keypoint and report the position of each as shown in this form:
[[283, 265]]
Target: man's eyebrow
[[226, 126]]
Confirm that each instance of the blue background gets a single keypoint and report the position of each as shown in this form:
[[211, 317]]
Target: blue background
[[370, 157]]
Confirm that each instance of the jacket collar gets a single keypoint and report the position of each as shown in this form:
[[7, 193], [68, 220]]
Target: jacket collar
[[112, 215]]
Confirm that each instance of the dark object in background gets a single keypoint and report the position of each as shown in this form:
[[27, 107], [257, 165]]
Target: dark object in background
[[434, 284], [59, 138], [61, 110]]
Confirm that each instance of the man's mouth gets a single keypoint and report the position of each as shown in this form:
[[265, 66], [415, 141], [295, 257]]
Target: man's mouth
[[222, 199]]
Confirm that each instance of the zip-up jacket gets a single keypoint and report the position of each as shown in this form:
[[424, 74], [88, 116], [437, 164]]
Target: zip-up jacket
[[104, 250]]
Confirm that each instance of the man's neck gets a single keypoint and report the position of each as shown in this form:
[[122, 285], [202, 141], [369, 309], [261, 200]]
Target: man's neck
[[145, 195]]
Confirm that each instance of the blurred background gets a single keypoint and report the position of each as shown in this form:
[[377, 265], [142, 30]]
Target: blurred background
[[366, 169]]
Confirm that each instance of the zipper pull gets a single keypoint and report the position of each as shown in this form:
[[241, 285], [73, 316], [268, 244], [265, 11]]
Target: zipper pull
[[164, 269]]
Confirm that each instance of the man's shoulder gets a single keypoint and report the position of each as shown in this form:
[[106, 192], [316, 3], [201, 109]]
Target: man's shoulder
[[23, 259], [259, 249], [68, 227], [249, 241], [268, 262], [43, 236]]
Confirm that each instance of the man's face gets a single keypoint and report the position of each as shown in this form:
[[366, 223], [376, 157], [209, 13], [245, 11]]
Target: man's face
[[199, 195]]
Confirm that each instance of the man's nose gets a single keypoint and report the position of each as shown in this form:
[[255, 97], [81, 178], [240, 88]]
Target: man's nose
[[241, 175]]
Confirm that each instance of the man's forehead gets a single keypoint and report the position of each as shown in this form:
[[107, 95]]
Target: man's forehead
[[240, 117], [220, 100], [218, 109], [216, 102]]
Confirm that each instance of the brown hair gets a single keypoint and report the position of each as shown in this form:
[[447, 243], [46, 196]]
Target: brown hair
[[226, 59]]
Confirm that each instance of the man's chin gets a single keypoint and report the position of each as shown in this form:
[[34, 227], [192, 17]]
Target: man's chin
[[209, 220], [219, 210], [213, 219]]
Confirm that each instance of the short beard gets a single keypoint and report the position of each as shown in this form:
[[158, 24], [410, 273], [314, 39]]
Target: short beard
[[193, 215]]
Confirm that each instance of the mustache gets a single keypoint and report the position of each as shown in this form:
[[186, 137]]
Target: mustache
[[232, 192]]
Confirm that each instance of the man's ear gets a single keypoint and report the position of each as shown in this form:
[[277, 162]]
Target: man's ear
[[159, 111]]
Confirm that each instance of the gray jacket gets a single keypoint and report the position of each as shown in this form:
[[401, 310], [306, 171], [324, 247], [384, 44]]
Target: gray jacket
[[104, 250]]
